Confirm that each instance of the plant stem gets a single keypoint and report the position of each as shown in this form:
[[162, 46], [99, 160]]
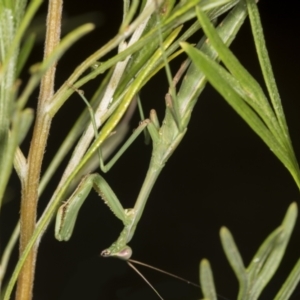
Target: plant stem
[[7, 253], [36, 153]]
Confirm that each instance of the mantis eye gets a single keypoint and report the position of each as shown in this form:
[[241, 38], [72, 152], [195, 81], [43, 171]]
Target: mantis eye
[[105, 253], [125, 254]]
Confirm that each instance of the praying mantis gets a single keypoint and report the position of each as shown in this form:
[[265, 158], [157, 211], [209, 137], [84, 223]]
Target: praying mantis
[[165, 139]]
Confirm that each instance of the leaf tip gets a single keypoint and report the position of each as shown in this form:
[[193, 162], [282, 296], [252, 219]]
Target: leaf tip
[[184, 45], [223, 231]]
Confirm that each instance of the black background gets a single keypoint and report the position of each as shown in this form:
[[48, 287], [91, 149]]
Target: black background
[[221, 175]]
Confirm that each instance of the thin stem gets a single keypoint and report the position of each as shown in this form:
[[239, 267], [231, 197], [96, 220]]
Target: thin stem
[[7, 253], [36, 153]]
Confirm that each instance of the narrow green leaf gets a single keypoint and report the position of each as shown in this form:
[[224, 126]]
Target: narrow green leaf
[[207, 280], [39, 70], [195, 80], [208, 4], [26, 119], [265, 63], [262, 254], [14, 46], [19, 8], [271, 264], [290, 284], [24, 53], [6, 255], [265, 262], [8, 146], [127, 18], [269, 79], [7, 93], [235, 260], [249, 84], [225, 84]]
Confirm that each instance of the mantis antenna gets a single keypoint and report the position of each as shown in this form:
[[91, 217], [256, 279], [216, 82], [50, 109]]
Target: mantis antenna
[[144, 278], [162, 271], [130, 262]]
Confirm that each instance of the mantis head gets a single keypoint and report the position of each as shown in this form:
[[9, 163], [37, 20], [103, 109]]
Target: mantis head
[[123, 253]]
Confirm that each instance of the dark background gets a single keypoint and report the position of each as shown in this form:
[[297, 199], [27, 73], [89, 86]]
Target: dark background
[[221, 175]]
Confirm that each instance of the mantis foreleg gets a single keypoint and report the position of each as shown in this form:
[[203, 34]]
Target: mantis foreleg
[[67, 213]]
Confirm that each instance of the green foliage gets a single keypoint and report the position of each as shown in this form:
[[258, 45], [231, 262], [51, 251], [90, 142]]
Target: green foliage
[[267, 119], [245, 95], [150, 35], [253, 279]]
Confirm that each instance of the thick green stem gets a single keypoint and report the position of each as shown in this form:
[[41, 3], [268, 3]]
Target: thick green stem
[[36, 153]]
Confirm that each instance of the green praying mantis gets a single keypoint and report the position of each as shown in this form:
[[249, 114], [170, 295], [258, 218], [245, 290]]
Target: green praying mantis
[[165, 139]]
